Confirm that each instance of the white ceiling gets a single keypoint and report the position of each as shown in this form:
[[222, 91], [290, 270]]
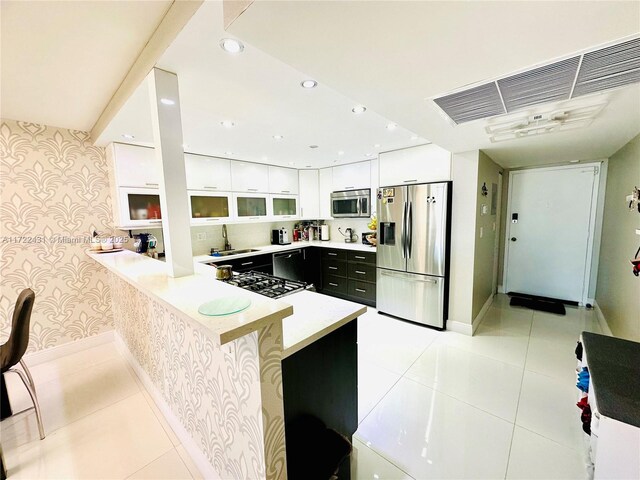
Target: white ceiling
[[63, 60], [263, 96], [396, 56]]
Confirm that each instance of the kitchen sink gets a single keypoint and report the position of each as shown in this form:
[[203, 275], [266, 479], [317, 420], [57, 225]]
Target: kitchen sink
[[235, 252]]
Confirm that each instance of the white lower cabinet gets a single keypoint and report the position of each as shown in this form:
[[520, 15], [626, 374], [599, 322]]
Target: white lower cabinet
[[209, 207], [139, 207]]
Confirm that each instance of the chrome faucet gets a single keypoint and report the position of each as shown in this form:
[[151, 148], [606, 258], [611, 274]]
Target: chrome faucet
[[227, 245]]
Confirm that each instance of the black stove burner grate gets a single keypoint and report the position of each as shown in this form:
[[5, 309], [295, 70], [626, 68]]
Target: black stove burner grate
[[265, 284]]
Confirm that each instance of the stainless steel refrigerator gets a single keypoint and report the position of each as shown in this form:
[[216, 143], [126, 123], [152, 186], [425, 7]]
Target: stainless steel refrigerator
[[414, 225]]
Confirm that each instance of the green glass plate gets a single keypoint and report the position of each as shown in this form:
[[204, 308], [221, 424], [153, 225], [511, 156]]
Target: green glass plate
[[224, 306]]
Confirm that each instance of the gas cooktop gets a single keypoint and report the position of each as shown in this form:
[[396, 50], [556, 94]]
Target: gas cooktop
[[267, 285]]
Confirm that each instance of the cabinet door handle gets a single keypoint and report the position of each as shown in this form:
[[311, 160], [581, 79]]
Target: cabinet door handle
[[348, 188], [333, 284], [360, 273], [332, 254], [286, 216], [361, 290], [359, 258], [213, 188], [285, 191], [410, 181], [254, 218], [246, 263], [152, 184], [155, 221], [333, 268], [252, 189], [213, 219]]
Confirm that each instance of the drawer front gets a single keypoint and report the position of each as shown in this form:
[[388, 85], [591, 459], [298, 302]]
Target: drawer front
[[334, 267], [363, 257], [362, 272], [333, 284], [366, 291], [334, 254]]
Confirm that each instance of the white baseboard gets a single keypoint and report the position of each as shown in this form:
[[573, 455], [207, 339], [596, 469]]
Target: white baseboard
[[459, 327], [483, 311], [200, 460], [501, 289], [69, 348], [604, 326]]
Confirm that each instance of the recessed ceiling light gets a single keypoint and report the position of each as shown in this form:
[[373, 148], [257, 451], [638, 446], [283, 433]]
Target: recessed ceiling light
[[377, 145], [391, 126], [278, 137], [128, 136], [313, 146], [309, 84], [228, 153], [308, 166], [340, 152], [167, 101], [231, 45], [227, 123], [358, 109]]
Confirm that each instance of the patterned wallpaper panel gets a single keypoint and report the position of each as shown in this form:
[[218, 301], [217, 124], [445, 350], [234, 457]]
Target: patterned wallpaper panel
[[54, 190]]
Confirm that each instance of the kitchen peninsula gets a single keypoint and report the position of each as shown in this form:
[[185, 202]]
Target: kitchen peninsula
[[222, 382]]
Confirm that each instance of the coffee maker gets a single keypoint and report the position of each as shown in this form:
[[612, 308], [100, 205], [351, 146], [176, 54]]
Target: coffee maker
[[280, 237]]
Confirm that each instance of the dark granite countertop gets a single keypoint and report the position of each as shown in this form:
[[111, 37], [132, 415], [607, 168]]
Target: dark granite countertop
[[614, 367]]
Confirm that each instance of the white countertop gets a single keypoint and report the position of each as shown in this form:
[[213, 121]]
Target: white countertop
[[309, 315], [358, 247]]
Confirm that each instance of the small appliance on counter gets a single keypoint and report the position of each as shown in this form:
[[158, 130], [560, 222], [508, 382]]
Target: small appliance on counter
[[324, 233], [280, 237], [349, 235]]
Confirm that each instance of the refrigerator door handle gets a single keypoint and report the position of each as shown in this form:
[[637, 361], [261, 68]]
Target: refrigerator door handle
[[403, 275], [403, 236], [410, 230]]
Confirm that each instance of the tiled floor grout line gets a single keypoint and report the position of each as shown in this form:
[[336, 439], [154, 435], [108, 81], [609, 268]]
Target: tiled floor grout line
[[158, 457], [387, 459], [515, 419]]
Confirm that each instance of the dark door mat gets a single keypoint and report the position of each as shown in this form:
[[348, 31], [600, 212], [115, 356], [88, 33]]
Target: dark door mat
[[551, 307], [543, 299]]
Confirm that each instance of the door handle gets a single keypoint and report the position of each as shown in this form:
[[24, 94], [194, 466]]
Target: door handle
[[513, 239], [403, 236], [410, 230]]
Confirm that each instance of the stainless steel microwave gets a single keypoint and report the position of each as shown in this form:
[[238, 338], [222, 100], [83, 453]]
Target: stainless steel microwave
[[351, 203]]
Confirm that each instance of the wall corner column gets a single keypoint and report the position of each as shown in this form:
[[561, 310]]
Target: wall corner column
[[167, 134]]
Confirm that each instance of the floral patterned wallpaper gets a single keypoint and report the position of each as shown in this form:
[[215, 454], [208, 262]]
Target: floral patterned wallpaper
[[54, 190]]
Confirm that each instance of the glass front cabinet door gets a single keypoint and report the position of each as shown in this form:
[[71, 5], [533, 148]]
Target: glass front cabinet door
[[284, 206], [209, 207], [251, 207], [139, 207]]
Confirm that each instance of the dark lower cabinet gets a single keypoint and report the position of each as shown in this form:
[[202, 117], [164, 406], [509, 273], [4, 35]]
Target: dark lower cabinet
[[321, 380], [312, 271], [258, 263], [350, 275]]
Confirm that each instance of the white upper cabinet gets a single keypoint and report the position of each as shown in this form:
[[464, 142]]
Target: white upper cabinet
[[207, 173], [426, 163], [309, 194], [136, 166], [283, 180], [249, 177], [375, 183], [352, 176], [325, 180]]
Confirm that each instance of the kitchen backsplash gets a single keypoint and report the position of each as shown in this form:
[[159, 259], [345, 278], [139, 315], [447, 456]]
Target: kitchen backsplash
[[358, 224], [241, 235], [55, 191]]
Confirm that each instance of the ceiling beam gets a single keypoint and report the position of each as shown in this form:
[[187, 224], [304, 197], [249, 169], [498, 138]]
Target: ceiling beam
[[174, 20]]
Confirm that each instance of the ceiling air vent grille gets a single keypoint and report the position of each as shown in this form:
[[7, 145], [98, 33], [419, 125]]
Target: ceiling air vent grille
[[472, 104], [550, 83], [603, 69], [609, 67]]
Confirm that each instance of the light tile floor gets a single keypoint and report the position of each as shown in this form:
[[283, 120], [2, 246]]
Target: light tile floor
[[431, 405]]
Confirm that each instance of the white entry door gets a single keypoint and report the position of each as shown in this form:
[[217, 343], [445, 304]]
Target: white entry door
[[549, 231]]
